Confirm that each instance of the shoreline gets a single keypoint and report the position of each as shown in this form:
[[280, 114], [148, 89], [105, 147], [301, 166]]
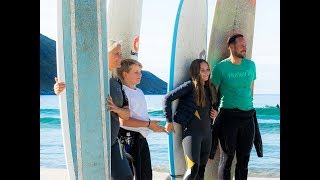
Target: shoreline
[[62, 174]]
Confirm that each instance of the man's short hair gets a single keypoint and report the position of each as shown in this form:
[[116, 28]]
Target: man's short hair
[[232, 39]]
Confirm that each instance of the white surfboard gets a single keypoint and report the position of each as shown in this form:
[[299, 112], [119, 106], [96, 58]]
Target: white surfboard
[[83, 65], [124, 24], [189, 43], [230, 17]]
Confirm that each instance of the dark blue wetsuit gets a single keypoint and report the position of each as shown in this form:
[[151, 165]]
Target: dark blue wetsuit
[[120, 169], [196, 122]]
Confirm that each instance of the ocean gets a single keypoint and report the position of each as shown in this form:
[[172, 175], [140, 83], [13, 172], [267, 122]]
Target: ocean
[[52, 151]]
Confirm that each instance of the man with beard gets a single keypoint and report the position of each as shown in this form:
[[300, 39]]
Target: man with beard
[[234, 78]]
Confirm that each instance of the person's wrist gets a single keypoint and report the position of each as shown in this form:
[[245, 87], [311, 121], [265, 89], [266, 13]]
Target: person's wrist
[[149, 123]]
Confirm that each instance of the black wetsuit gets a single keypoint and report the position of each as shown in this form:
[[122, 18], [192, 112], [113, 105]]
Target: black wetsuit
[[197, 141], [236, 131], [138, 153], [196, 122], [120, 168]]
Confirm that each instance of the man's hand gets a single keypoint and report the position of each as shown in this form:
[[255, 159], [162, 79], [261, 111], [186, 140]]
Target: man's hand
[[213, 113]]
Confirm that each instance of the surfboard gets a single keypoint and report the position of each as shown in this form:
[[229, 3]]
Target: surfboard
[[189, 43], [124, 24], [82, 63], [230, 17]]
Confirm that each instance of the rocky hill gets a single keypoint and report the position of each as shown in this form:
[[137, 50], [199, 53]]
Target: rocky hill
[[150, 84]]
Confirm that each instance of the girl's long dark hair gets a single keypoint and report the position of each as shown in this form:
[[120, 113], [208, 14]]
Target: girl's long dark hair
[[199, 91]]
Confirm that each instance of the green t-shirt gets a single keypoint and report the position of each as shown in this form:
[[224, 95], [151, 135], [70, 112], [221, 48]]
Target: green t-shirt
[[235, 82]]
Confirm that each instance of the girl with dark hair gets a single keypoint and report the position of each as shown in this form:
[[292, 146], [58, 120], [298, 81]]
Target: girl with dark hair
[[195, 113]]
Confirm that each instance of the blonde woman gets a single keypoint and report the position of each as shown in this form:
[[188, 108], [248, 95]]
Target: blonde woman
[[118, 107]]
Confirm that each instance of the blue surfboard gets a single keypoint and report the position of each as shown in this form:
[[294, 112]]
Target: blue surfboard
[[82, 63], [189, 43]]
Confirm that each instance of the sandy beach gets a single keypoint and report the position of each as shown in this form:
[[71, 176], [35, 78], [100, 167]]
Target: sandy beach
[[62, 174]]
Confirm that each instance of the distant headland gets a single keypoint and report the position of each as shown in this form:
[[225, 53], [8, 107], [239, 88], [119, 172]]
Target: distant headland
[[150, 84]]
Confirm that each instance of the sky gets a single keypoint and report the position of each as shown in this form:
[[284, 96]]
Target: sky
[[156, 34]]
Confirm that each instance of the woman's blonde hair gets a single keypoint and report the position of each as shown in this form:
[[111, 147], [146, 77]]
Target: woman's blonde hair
[[112, 44]]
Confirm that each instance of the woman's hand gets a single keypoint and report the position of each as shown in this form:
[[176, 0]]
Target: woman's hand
[[111, 106], [213, 113], [58, 86], [169, 127], [122, 112]]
